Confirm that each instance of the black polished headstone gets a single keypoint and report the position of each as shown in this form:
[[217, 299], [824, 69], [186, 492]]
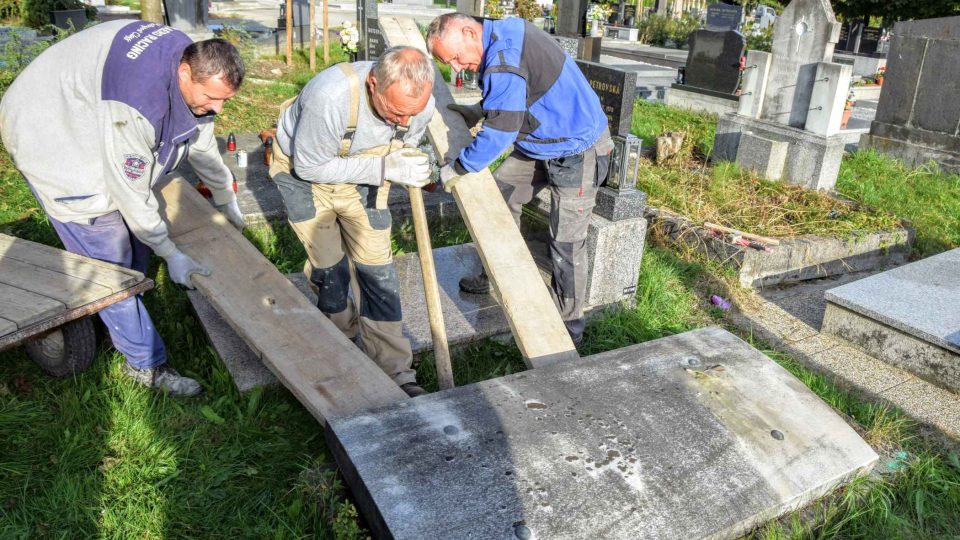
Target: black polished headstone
[[844, 43], [571, 18], [869, 40], [714, 60], [371, 43], [617, 90], [723, 17]]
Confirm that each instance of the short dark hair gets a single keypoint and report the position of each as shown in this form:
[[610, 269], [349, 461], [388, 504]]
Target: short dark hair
[[212, 57]]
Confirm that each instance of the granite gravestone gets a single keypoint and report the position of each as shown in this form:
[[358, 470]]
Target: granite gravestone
[[918, 113], [844, 43], [713, 62], [803, 36], [869, 40], [372, 43], [617, 91], [722, 17], [571, 18]]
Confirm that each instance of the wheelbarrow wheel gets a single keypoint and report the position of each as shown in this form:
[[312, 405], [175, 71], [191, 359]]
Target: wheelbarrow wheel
[[66, 350]]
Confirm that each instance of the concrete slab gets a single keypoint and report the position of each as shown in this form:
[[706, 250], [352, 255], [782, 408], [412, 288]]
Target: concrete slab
[[691, 436], [919, 299]]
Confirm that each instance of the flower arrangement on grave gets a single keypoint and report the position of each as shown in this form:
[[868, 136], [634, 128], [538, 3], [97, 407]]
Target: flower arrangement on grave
[[349, 37], [878, 76], [598, 12]]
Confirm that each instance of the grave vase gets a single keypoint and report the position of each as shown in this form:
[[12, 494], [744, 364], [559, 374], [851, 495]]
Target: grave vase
[[595, 29], [845, 118]]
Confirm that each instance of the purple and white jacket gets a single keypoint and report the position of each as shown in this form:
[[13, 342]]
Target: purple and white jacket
[[98, 118]]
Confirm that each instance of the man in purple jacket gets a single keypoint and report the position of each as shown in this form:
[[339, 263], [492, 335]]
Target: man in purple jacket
[[92, 124]]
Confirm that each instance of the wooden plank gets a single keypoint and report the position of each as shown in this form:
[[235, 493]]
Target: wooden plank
[[314, 360], [25, 333], [533, 317], [112, 276], [24, 308], [72, 291]]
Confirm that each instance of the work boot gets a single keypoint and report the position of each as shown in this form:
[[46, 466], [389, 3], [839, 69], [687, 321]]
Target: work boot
[[478, 284], [412, 389], [164, 377]]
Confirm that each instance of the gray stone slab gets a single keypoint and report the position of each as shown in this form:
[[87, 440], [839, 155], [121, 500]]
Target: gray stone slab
[[936, 107], [813, 161], [691, 436], [764, 156], [895, 347], [920, 299]]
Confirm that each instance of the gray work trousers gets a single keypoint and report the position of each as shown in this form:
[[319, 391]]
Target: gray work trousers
[[573, 182]]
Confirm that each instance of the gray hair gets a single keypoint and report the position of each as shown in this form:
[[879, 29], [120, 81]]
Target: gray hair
[[439, 26], [408, 66]]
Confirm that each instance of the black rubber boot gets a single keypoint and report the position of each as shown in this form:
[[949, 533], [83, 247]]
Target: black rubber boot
[[478, 284]]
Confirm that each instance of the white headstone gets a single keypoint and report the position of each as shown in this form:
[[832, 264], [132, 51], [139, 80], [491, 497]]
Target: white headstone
[[828, 98], [754, 84], [803, 36]]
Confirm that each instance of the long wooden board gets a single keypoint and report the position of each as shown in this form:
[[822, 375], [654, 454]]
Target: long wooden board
[[533, 317], [24, 308], [313, 359], [116, 278]]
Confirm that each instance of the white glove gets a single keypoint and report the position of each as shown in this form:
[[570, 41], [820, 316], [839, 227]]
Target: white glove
[[180, 267], [471, 113], [449, 177], [231, 211], [407, 166]]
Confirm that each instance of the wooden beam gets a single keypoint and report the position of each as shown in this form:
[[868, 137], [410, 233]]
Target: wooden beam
[[536, 324], [310, 356]]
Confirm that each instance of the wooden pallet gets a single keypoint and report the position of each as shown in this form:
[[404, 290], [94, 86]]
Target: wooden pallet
[[514, 277], [308, 354], [42, 288]]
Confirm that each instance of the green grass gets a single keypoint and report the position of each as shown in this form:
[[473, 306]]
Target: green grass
[[925, 196], [650, 120]]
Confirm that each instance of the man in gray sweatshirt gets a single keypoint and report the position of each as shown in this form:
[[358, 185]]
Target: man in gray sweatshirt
[[351, 132], [92, 124]]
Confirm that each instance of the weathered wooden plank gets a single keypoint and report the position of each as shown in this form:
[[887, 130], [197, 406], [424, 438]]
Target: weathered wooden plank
[[24, 308], [72, 291], [313, 359], [27, 332], [534, 319], [112, 276]]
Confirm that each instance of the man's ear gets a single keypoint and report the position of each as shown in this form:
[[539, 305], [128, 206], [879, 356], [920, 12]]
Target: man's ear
[[371, 82], [184, 73]]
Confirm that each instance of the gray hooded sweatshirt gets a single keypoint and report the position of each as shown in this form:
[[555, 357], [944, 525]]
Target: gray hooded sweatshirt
[[98, 118]]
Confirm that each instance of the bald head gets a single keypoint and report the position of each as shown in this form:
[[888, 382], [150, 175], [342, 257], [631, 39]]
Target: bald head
[[400, 84]]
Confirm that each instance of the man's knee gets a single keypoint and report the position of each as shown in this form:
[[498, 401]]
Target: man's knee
[[380, 292], [333, 285]]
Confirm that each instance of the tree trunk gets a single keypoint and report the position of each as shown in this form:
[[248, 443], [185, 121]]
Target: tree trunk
[[151, 10]]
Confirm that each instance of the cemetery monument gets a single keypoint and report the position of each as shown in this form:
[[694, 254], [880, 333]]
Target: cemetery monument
[[788, 122]]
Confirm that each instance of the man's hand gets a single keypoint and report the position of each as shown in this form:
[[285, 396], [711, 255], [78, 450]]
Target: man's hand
[[449, 177], [407, 166], [471, 113], [231, 211], [180, 267]]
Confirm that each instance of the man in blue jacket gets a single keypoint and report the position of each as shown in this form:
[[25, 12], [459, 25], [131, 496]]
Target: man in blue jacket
[[537, 99]]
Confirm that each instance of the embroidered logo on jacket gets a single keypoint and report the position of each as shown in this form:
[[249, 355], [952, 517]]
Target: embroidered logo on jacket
[[134, 166]]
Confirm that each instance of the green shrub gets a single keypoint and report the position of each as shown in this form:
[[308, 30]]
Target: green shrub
[[528, 9], [661, 30], [36, 13], [759, 41]]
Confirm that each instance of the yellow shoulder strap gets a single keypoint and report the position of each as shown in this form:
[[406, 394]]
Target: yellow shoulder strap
[[354, 82]]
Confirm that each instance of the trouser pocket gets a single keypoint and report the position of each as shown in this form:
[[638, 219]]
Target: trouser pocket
[[297, 197]]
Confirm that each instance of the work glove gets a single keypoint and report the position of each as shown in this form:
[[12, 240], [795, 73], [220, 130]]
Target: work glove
[[471, 113], [231, 211], [180, 267], [449, 177], [407, 166]]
